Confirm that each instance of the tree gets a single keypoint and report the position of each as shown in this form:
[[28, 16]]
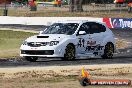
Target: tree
[[75, 5]]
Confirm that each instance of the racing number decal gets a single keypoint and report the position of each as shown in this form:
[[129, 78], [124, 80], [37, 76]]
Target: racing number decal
[[81, 43]]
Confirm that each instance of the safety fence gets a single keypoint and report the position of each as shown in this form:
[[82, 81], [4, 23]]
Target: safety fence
[[43, 9]]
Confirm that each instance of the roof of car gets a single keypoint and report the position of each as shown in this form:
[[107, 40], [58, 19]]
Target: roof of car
[[72, 21], [78, 21]]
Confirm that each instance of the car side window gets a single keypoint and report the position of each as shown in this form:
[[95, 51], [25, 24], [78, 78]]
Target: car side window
[[102, 28], [84, 27], [97, 28]]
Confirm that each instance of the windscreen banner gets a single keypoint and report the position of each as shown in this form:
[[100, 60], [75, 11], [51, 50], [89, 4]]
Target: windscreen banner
[[118, 22]]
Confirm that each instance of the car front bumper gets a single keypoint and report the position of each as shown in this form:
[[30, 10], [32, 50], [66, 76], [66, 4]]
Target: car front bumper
[[44, 51]]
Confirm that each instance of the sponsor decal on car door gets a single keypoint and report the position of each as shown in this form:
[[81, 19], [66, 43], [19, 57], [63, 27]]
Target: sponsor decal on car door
[[96, 36]]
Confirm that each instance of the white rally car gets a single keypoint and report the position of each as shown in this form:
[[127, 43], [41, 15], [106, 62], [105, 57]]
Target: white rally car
[[69, 40]]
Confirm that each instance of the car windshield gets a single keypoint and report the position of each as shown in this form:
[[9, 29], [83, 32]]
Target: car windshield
[[61, 28]]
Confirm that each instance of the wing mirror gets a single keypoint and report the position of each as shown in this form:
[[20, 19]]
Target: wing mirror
[[82, 33]]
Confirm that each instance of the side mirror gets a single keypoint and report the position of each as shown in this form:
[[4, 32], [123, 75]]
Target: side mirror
[[82, 33], [40, 32]]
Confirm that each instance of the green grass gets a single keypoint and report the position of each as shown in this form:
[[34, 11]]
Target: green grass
[[10, 42]]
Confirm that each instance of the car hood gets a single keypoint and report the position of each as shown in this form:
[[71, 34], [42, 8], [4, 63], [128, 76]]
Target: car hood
[[46, 37]]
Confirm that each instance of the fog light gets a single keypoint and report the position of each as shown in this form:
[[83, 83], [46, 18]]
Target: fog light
[[23, 52]]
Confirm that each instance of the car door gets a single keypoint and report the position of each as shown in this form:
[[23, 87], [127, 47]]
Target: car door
[[82, 39], [96, 35]]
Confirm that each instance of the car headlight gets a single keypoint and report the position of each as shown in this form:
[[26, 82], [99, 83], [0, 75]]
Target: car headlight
[[24, 43], [53, 43]]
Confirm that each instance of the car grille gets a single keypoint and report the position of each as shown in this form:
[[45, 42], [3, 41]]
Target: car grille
[[37, 44], [37, 52]]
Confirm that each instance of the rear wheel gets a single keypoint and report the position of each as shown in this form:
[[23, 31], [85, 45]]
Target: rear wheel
[[108, 51], [69, 52], [31, 59]]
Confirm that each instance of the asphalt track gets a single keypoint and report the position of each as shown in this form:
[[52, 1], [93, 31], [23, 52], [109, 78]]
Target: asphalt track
[[123, 56]]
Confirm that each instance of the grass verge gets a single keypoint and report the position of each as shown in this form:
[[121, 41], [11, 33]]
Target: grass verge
[[58, 12], [10, 42]]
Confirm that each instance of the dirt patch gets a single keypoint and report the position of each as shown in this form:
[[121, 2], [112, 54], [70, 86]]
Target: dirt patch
[[66, 76], [121, 43], [66, 84]]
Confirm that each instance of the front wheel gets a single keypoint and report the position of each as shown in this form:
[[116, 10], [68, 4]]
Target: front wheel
[[31, 59], [108, 51], [69, 52]]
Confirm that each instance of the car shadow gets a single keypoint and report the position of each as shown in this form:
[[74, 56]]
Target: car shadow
[[88, 61], [59, 62]]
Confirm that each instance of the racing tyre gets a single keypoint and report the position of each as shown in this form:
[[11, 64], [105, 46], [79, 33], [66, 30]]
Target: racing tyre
[[69, 52], [85, 81], [31, 59], [108, 51]]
